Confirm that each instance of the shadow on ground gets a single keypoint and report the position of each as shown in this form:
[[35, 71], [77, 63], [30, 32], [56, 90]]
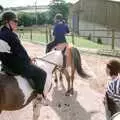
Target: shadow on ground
[[67, 107]]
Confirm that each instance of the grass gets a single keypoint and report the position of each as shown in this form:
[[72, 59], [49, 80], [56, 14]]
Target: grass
[[39, 37], [82, 42]]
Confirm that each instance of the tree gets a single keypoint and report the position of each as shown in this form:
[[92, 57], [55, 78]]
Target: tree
[[1, 9], [25, 19], [58, 6], [28, 19]]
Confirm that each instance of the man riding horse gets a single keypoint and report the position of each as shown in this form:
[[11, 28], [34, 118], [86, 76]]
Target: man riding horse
[[59, 32], [14, 56]]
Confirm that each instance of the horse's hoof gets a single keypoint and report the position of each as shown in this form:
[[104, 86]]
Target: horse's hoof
[[67, 93], [56, 81], [45, 102], [72, 91]]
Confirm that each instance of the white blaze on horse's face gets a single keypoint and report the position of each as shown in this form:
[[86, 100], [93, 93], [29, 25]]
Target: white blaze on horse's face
[[4, 47]]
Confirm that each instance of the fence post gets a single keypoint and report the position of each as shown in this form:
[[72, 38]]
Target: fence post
[[31, 35], [73, 38], [113, 39], [50, 35], [46, 33]]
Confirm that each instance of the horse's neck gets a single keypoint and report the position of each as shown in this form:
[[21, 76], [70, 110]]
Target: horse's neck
[[54, 57]]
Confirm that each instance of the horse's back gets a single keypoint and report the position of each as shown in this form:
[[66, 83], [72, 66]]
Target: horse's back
[[62, 46]]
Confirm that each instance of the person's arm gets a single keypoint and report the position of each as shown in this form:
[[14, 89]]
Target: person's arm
[[113, 91], [54, 30], [18, 49], [67, 28], [110, 90]]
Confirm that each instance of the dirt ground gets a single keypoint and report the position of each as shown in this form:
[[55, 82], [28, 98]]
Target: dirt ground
[[85, 104]]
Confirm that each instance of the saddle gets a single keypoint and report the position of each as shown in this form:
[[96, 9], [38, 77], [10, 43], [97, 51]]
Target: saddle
[[61, 46], [9, 72]]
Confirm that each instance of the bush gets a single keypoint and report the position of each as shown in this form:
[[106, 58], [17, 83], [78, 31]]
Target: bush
[[89, 37], [99, 40]]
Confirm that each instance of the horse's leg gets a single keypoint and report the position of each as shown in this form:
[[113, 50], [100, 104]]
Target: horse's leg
[[36, 108], [61, 79], [68, 81], [56, 80], [72, 80]]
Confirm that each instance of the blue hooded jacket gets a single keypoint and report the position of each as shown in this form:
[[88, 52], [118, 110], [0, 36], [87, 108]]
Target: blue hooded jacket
[[59, 31]]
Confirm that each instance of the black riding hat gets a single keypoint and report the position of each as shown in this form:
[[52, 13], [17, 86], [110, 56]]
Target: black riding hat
[[9, 15]]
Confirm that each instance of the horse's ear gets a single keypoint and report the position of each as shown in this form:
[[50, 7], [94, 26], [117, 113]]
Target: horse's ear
[[63, 51]]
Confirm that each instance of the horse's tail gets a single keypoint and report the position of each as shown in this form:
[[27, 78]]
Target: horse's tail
[[77, 62]]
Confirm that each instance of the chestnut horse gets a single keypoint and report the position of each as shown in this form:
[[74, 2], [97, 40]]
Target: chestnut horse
[[16, 92], [72, 62]]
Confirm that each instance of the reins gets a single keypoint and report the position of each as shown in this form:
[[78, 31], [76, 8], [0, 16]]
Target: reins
[[59, 67]]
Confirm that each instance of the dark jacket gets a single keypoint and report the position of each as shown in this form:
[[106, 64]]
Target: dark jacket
[[59, 31], [17, 58]]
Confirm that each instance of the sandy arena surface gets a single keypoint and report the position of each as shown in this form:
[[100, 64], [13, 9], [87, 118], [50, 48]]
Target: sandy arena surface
[[85, 104]]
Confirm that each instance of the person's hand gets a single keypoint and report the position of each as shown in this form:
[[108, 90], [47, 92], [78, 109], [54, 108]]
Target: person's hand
[[33, 60]]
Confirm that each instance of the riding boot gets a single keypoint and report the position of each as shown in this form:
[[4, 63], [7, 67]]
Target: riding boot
[[50, 46]]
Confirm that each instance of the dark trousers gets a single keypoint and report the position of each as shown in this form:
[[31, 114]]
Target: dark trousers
[[50, 46], [53, 44], [35, 75]]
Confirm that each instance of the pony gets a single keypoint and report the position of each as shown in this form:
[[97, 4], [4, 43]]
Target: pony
[[16, 92], [72, 62]]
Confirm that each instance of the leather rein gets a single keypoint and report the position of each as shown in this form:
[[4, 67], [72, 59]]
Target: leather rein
[[59, 67]]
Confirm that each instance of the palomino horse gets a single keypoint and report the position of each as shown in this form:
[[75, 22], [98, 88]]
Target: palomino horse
[[72, 60], [15, 91]]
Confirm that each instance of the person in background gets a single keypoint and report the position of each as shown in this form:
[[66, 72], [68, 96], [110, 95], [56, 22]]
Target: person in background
[[13, 55], [59, 31], [113, 87], [112, 97]]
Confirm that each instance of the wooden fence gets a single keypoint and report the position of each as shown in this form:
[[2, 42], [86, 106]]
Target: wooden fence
[[44, 34]]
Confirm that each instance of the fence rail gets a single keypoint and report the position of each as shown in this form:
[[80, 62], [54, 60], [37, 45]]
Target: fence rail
[[44, 34]]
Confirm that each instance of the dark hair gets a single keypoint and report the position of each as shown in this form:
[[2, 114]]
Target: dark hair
[[114, 67]]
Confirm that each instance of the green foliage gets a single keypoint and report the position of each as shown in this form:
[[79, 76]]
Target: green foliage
[[41, 18], [25, 19], [1, 8], [28, 19], [58, 6], [99, 40], [89, 37]]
